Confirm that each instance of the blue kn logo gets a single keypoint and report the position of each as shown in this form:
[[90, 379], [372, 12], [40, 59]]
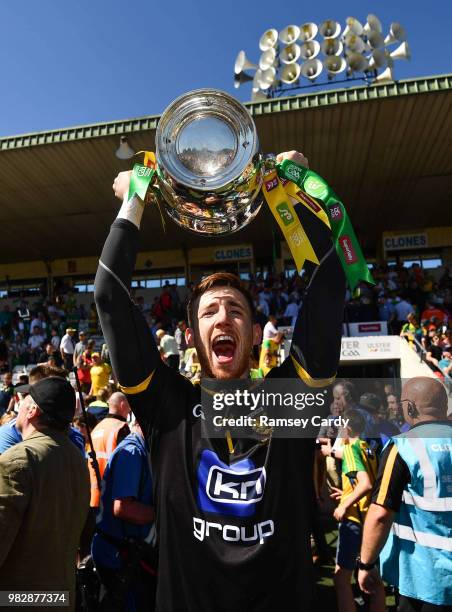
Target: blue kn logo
[[229, 489]]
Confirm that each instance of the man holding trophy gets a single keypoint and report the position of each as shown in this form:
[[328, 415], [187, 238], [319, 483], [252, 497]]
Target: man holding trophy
[[219, 550]]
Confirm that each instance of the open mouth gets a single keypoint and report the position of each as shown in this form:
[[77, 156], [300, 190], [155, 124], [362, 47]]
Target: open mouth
[[223, 348]]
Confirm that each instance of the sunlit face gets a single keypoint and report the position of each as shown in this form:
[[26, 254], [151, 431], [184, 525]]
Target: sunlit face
[[224, 333], [393, 406], [338, 398], [337, 407], [25, 405]]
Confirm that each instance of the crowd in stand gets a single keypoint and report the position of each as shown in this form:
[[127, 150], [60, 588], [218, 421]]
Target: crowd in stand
[[410, 301]]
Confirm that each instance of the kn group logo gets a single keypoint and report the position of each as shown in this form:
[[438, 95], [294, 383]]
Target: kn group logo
[[232, 490]]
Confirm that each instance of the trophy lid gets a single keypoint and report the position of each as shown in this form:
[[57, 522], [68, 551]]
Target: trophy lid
[[205, 139]]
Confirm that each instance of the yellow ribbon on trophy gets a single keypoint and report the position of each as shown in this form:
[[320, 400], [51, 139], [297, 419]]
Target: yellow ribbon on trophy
[[279, 201], [303, 198]]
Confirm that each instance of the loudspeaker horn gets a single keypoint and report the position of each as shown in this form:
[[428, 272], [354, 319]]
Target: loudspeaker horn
[[268, 39], [124, 151], [311, 69], [330, 29], [397, 33], [385, 77], [241, 78], [334, 65], [353, 26], [243, 63], [267, 78], [256, 80], [332, 46], [354, 43], [402, 52], [290, 34], [357, 62], [310, 49], [290, 54], [308, 31], [377, 59], [375, 39], [290, 74], [373, 23], [267, 59]]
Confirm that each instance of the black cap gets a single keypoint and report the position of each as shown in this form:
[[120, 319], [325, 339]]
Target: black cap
[[54, 396]]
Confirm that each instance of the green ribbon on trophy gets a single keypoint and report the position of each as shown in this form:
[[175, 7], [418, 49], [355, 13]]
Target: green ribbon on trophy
[[142, 175], [344, 237]]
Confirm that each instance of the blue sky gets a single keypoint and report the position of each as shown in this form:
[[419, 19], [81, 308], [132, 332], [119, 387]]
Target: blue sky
[[90, 61]]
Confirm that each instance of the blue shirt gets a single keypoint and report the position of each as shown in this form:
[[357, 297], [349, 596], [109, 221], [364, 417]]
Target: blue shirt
[[9, 436], [127, 475], [386, 311]]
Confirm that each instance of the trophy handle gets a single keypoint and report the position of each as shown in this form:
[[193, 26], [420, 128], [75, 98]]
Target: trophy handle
[[269, 162]]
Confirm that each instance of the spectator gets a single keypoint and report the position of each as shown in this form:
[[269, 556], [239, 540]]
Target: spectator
[[432, 312], [327, 435], [9, 435], [99, 373], [67, 348], [39, 321], [445, 365], [291, 311], [383, 429], [345, 392], [106, 436], [125, 525], [84, 365], [395, 413], [6, 392], [35, 342], [272, 339], [434, 354], [411, 330], [403, 309], [179, 336], [55, 338], [51, 353], [45, 491], [168, 349], [99, 407], [359, 466], [81, 346], [386, 310]]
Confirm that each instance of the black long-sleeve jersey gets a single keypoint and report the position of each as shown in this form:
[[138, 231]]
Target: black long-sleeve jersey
[[224, 545]]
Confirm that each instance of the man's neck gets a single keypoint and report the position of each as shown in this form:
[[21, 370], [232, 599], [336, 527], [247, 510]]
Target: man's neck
[[27, 431]]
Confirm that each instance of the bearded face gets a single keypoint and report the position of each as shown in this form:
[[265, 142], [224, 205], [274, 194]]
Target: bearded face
[[224, 334]]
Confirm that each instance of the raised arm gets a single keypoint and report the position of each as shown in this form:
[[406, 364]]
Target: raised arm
[[133, 352], [316, 342]]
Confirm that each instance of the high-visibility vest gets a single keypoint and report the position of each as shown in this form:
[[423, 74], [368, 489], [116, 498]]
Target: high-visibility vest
[[417, 557], [105, 440]]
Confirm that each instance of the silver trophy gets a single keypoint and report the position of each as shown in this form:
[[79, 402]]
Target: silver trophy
[[210, 170]]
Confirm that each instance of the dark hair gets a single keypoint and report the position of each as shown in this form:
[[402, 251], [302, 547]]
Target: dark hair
[[43, 371], [218, 279], [370, 402], [356, 421]]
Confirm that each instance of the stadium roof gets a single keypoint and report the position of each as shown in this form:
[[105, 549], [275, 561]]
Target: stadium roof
[[386, 149]]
